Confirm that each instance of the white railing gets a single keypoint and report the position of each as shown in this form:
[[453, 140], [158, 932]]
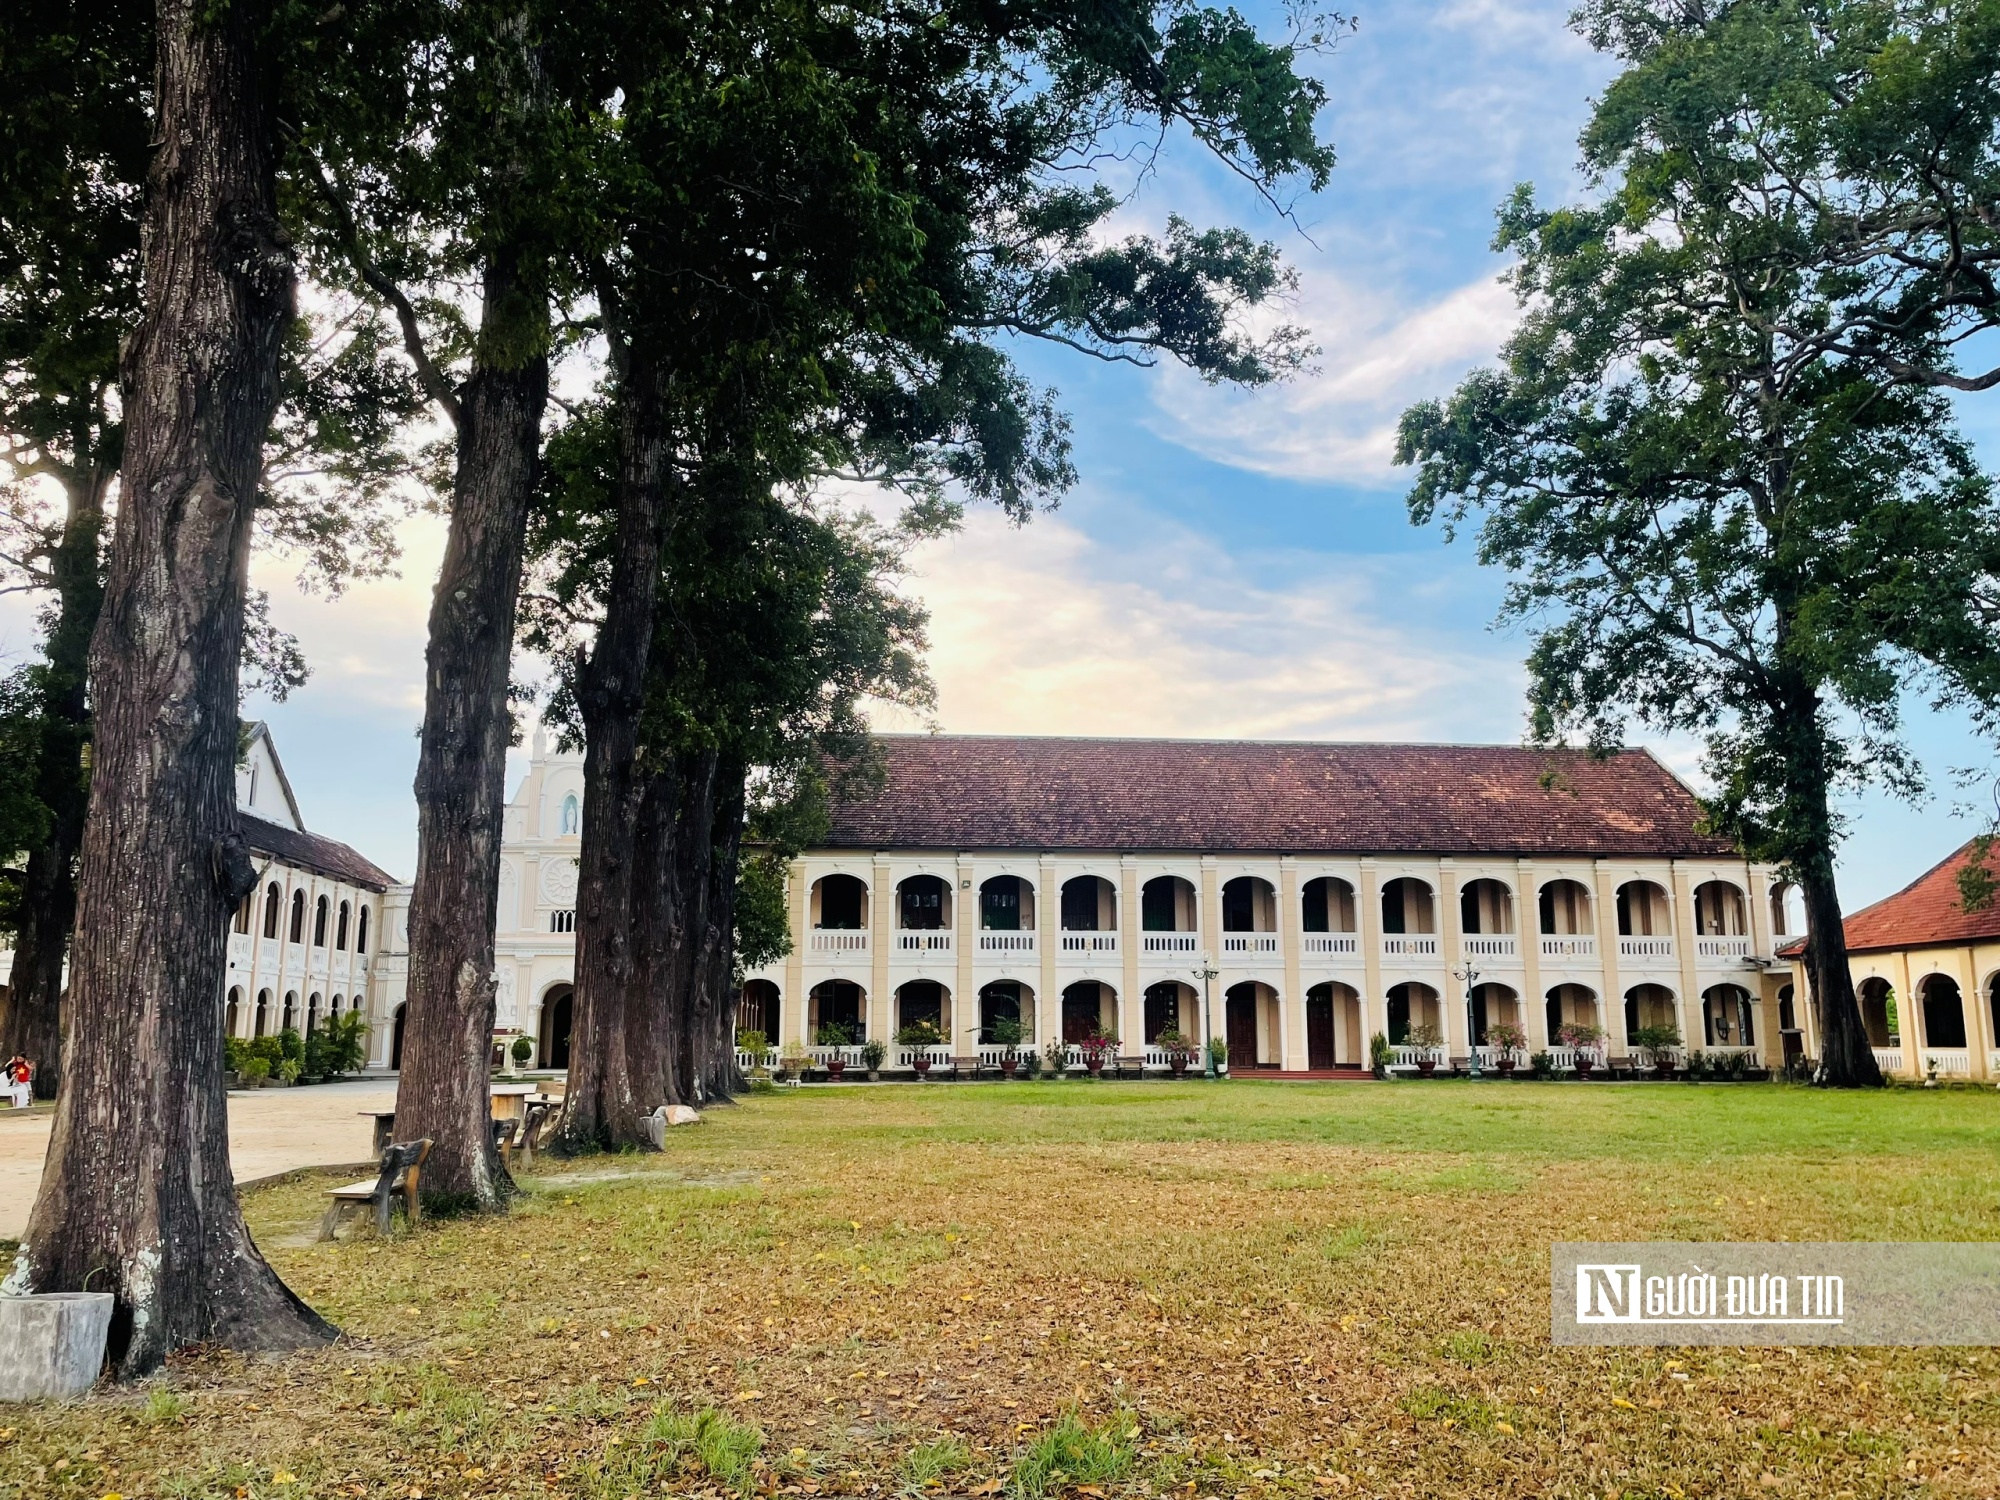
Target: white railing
[[1993, 1064], [1159, 1058], [906, 1057], [1569, 945], [1645, 947], [748, 1062], [931, 940], [1786, 939], [1564, 1058], [1951, 1062], [1492, 1057], [1072, 1058], [1250, 944], [1490, 945], [1006, 942], [1331, 944], [1409, 945], [1409, 1057], [993, 1054], [1095, 944], [821, 1056], [839, 940], [1888, 1059], [1722, 947], [1169, 942], [1649, 1057]]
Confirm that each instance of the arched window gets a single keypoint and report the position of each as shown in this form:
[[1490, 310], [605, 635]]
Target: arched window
[[1407, 907], [1089, 904], [298, 928], [1565, 909], [1249, 905], [312, 1013], [333, 1009], [572, 814], [229, 1014], [261, 1022], [361, 932], [1167, 904], [839, 904], [340, 929], [291, 1010], [273, 899], [1327, 905], [243, 912], [1485, 907], [319, 922]]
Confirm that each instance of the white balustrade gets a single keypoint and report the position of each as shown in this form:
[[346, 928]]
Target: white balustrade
[[1331, 945], [906, 1057], [993, 1054], [839, 940], [1409, 945], [1169, 943], [1250, 944], [930, 940], [1089, 944], [1563, 1059], [1569, 945], [1007, 942], [1491, 945], [1889, 1059], [1410, 1057], [1645, 947], [1721, 947], [1492, 1057], [1951, 1062]]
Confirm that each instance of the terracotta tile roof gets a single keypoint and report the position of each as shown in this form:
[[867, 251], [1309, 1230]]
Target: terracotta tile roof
[[309, 851], [995, 792], [1926, 911]]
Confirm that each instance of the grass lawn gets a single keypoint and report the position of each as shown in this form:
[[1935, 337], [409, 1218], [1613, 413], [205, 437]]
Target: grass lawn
[[1244, 1289]]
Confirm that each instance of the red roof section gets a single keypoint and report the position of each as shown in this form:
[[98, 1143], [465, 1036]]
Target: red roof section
[[1926, 911], [1002, 792], [311, 852]]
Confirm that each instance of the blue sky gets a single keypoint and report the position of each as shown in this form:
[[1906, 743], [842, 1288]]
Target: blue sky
[[1231, 565]]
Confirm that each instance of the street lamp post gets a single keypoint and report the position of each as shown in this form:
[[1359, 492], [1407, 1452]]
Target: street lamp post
[[1469, 977], [1206, 974]]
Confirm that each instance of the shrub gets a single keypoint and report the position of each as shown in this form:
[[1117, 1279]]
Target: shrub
[[1006, 1032], [1056, 1055], [255, 1069], [523, 1049], [834, 1034], [1579, 1034], [1656, 1039], [1031, 1063], [1427, 1036], [291, 1069], [340, 1046], [1380, 1055], [1218, 1053], [1542, 1065], [235, 1052], [291, 1045], [918, 1034], [1099, 1046], [1506, 1035], [872, 1055]]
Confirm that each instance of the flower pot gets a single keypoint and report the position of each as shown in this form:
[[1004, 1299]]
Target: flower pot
[[1663, 1069], [874, 1076], [1178, 1066], [1426, 1066], [922, 1064], [835, 1066], [1504, 1067], [1584, 1064], [1096, 1066], [1007, 1066]]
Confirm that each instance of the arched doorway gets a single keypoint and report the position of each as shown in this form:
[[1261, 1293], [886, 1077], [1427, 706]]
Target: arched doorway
[[1493, 1005], [1002, 1001], [921, 1001], [1570, 1005], [1088, 1008], [1726, 1017], [1171, 1006], [231, 1012], [757, 1009], [1333, 1026], [837, 1007], [396, 1039], [1251, 1019], [1647, 1006], [558, 1007], [1944, 1013], [1878, 1017]]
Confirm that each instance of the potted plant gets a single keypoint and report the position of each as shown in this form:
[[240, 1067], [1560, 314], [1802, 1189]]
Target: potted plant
[[1056, 1056], [522, 1050], [792, 1061], [872, 1054], [1542, 1065], [1099, 1045], [919, 1037], [1218, 1056], [835, 1034], [755, 1046], [1380, 1055], [1657, 1043], [1031, 1064], [1180, 1050], [1582, 1036], [1006, 1032], [1508, 1039], [1427, 1038]]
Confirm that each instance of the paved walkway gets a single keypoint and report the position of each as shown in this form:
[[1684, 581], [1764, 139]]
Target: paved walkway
[[270, 1131]]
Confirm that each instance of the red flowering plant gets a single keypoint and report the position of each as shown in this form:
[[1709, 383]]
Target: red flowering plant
[[1097, 1047]]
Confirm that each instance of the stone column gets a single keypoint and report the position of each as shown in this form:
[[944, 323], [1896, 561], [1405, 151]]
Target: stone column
[[1292, 1003], [1604, 919], [965, 1016], [792, 1004], [1452, 1020], [881, 932], [1368, 925], [1682, 891], [1132, 1004], [1528, 924], [1048, 927], [1208, 939]]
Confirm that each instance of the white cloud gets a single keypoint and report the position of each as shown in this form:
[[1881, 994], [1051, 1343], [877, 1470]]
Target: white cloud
[[1047, 630], [1340, 423]]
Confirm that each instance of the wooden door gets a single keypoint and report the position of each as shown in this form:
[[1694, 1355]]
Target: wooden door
[[1319, 1032], [1242, 1021]]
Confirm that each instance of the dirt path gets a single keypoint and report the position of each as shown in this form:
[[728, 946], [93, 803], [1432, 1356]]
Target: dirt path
[[270, 1131]]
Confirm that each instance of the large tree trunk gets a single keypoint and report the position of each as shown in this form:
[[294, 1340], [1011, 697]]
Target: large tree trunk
[[687, 893], [33, 1024], [462, 758], [611, 1088], [715, 966], [651, 1026], [1846, 1060], [137, 1196]]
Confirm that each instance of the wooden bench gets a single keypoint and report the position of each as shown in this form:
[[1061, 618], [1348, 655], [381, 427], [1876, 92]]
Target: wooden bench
[[402, 1164], [529, 1137]]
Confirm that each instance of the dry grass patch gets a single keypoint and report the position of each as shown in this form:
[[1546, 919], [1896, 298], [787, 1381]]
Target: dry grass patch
[[1056, 1289]]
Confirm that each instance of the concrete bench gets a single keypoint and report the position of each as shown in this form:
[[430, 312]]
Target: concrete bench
[[402, 1165]]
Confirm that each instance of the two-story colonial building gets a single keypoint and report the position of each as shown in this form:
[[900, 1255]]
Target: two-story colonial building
[[1294, 899]]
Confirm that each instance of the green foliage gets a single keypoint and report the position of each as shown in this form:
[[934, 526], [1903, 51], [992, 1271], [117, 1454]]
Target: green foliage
[[872, 1054], [339, 1044], [755, 1043], [1074, 1452], [835, 1034], [1380, 1055], [291, 1046], [1656, 1038], [1426, 1035], [1730, 500], [255, 1069], [522, 1049], [919, 1034], [928, 1464], [1977, 883], [1005, 1032]]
